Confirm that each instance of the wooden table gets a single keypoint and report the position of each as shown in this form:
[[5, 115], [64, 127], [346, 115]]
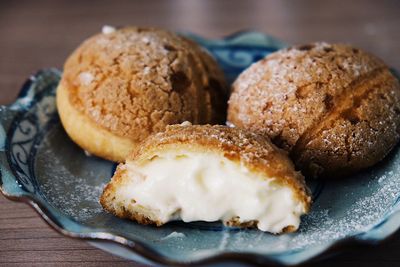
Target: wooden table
[[38, 34]]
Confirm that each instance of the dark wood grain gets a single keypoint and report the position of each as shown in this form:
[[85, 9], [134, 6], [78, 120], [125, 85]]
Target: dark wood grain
[[38, 34]]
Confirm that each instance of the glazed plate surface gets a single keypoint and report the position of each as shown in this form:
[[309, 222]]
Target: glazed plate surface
[[40, 165]]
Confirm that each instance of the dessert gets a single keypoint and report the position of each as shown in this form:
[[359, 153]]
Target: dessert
[[333, 107], [209, 173], [122, 85]]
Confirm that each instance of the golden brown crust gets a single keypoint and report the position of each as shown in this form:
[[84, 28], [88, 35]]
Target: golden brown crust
[[135, 81], [335, 108]]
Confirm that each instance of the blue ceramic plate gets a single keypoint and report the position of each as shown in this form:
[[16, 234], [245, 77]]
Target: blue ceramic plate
[[43, 167]]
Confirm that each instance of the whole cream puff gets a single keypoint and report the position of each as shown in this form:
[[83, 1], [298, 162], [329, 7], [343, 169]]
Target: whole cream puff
[[333, 107], [120, 86]]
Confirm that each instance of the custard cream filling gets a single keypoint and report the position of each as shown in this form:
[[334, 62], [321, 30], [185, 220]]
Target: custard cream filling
[[208, 187]]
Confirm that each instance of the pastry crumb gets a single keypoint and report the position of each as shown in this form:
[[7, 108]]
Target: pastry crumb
[[107, 29]]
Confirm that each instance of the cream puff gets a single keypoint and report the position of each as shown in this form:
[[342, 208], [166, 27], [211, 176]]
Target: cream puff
[[333, 107], [209, 173], [122, 85]]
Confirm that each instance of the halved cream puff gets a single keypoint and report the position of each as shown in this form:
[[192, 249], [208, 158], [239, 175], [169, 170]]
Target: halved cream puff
[[209, 173]]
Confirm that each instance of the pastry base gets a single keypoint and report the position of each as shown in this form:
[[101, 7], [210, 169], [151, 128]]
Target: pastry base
[[89, 136]]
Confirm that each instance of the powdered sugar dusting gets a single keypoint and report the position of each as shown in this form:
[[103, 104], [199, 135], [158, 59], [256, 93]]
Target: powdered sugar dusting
[[73, 182], [145, 39], [85, 78], [81, 193], [107, 29], [82, 199], [174, 235], [322, 225]]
